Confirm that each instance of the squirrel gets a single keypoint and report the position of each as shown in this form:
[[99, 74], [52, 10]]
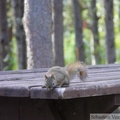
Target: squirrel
[[60, 76]]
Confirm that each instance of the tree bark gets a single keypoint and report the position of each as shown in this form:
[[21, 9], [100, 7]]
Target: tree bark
[[78, 31], [58, 32], [3, 34], [18, 10], [95, 34], [37, 23], [109, 25]]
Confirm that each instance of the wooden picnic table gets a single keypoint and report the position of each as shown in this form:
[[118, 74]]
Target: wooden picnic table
[[21, 99]]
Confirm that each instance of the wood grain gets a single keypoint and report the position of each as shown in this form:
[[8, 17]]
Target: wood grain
[[102, 80]]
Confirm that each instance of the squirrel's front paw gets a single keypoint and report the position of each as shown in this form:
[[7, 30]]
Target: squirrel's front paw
[[65, 85], [44, 86]]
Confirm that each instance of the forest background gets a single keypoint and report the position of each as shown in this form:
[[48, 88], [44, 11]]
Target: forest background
[[90, 32]]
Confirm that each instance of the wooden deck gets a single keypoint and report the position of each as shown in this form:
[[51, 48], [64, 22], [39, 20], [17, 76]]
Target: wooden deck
[[19, 93], [102, 80]]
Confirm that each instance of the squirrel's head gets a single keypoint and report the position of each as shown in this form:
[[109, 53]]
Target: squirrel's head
[[50, 81]]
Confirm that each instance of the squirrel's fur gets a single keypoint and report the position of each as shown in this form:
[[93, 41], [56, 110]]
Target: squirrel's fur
[[61, 76]]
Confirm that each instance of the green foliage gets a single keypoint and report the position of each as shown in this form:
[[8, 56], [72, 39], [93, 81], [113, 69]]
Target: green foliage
[[87, 45], [68, 17], [69, 34], [11, 58], [117, 28], [117, 44], [68, 23], [69, 40], [69, 48]]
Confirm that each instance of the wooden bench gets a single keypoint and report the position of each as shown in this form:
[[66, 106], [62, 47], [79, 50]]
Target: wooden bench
[[19, 100]]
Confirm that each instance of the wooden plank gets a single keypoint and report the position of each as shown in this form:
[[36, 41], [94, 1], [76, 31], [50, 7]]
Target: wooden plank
[[9, 108], [54, 108], [117, 99], [16, 77], [24, 85], [103, 70], [113, 71], [22, 82], [72, 109], [103, 66], [20, 76], [95, 73], [99, 104], [80, 108], [24, 71], [14, 91], [82, 90], [99, 78], [28, 83], [35, 110], [38, 70]]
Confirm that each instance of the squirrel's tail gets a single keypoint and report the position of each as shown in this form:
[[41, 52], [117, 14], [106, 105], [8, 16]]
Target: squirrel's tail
[[77, 68]]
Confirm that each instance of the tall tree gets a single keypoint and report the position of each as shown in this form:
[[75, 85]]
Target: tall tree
[[119, 13], [78, 30], [18, 10], [37, 23], [109, 25], [3, 34], [58, 32], [95, 34]]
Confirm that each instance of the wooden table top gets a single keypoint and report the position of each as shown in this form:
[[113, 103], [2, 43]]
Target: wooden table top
[[102, 80]]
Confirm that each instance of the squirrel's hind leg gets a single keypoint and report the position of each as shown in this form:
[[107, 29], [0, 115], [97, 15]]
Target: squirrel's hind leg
[[66, 83], [60, 85]]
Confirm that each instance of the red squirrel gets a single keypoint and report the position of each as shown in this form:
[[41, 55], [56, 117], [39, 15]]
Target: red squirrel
[[60, 76]]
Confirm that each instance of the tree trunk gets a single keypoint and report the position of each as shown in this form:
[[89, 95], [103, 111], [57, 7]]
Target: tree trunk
[[58, 32], [37, 23], [119, 13], [1, 60], [3, 34], [78, 31], [18, 10], [109, 25], [95, 34]]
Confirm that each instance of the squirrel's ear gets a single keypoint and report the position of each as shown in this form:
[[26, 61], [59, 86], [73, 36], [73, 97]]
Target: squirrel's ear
[[52, 76], [46, 76]]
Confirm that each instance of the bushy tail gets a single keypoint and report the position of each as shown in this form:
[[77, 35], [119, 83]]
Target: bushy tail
[[78, 68]]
